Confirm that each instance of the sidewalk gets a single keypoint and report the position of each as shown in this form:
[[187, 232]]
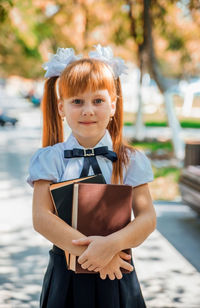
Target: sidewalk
[[167, 279]]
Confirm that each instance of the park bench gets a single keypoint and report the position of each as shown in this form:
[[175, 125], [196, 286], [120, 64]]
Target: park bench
[[189, 180]]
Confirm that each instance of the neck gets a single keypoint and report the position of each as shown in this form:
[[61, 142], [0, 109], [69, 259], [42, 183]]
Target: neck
[[88, 143]]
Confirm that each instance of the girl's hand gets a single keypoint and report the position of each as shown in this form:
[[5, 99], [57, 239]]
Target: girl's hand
[[98, 254], [112, 269]]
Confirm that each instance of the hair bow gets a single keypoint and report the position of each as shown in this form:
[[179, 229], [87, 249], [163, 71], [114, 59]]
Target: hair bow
[[105, 54], [58, 62], [64, 56]]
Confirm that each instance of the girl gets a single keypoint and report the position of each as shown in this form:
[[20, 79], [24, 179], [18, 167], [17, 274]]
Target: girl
[[87, 93]]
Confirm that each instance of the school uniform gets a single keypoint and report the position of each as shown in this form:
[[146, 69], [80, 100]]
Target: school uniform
[[62, 287]]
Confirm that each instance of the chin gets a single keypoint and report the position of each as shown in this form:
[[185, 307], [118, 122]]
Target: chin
[[89, 134]]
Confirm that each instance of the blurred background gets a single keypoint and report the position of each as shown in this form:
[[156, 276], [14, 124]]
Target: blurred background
[[159, 40]]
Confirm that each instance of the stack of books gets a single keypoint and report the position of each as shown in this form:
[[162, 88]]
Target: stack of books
[[92, 207]]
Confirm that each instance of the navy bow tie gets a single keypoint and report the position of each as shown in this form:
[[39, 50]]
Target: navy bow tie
[[90, 158]]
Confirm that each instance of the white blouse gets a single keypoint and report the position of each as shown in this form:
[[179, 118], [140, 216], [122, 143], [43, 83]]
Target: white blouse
[[48, 163]]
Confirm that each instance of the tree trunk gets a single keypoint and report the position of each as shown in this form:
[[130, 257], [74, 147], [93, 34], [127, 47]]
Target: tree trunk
[[148, 62], [139, 124]]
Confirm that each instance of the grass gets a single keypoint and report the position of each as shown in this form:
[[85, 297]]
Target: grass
[[166, 171], [153, 146], [165, 184], [159, 119], [183, 123]]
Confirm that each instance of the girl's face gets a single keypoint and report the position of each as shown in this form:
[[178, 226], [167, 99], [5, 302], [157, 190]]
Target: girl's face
[[88, 115]]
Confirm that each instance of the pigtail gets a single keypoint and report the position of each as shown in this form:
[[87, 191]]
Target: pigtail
[[120, 146], [52, 122]]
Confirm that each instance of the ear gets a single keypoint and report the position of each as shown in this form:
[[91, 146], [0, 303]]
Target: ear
[[113, 108], [60, 108]]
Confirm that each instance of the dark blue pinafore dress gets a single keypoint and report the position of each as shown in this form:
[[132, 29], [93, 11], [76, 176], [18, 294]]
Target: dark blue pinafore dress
[[63, 288]]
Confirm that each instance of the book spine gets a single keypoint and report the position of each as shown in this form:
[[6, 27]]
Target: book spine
[[72, 261], [53, 202]]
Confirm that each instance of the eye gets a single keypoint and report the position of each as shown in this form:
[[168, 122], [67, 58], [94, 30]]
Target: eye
[[98, 100], [77, 101]]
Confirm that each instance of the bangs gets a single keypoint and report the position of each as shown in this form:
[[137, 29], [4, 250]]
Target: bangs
[[86, 75]]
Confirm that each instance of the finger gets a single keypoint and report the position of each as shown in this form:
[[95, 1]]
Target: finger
[[97, 269], [91, 268], [82, 259], [126, 266], [111, 276], [103, 276], [86, 265], [124, 255], [81, 241], [118, 274]]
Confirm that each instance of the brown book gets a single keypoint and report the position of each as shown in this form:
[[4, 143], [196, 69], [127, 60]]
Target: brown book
[[100, 210]]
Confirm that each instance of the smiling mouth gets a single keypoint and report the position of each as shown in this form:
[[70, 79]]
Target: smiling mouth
[[87, 123]]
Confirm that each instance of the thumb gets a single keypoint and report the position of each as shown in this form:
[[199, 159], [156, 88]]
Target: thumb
[[81, 241]]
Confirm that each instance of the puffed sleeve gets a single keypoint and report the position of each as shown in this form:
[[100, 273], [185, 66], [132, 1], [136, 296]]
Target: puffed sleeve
[[44, 165], [139, 170]]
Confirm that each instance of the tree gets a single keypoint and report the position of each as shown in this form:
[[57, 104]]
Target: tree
[[30, 29], [144, 17]]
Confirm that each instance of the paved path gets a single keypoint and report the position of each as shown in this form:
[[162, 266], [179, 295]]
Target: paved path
[[167, 278]]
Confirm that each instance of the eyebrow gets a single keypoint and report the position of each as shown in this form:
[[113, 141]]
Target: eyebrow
[[99, 95], [95, 95]]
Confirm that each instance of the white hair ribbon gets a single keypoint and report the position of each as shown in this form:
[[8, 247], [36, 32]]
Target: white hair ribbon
[[58, 62], [64, 56]]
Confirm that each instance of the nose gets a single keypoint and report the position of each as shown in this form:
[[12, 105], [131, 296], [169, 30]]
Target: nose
[[87, 110]]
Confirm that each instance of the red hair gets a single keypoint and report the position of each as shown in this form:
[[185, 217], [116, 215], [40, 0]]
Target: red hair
[[78, 77]]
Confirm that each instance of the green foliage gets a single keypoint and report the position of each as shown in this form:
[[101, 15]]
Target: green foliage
[[5, 5], [166, 171], [161, 171], [43, 30], [176, 42], [27, 32], [190, 124], [120, 36], [154, 145], [185, 57], [184, 123], [156, 124]]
